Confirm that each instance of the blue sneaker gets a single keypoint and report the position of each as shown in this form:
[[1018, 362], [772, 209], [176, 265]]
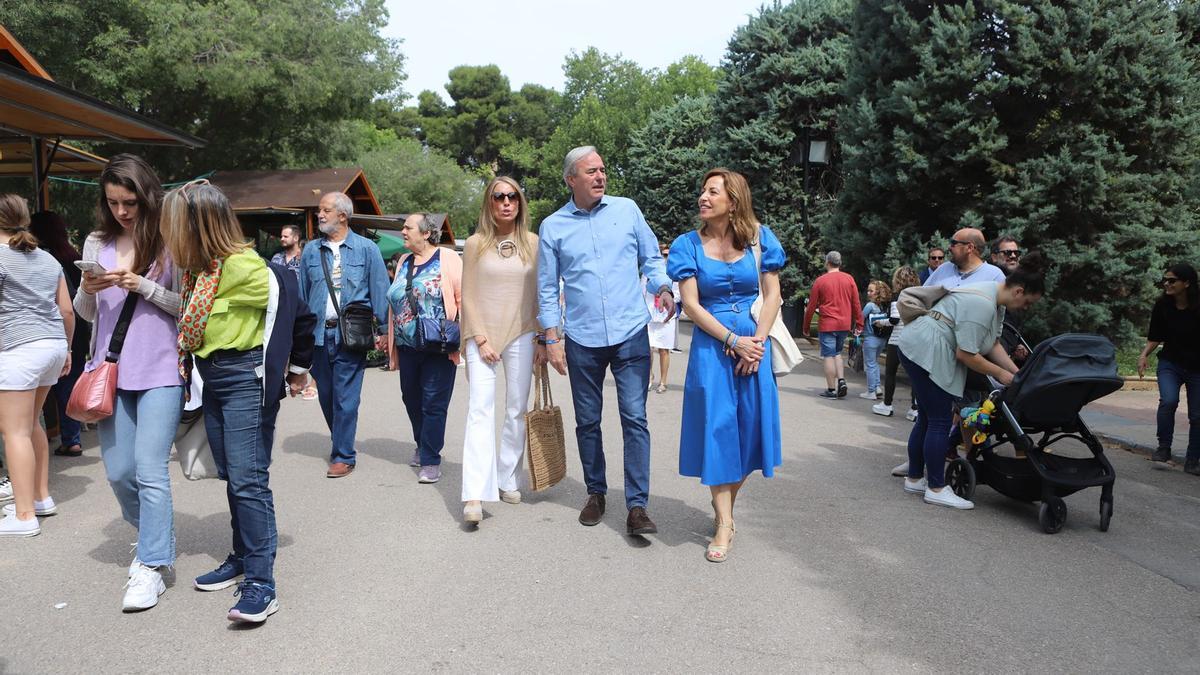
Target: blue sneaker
[[256, 603], [224, 576]]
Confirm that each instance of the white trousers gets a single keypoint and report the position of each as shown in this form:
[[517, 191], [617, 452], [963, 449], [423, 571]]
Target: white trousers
[[487, 470]]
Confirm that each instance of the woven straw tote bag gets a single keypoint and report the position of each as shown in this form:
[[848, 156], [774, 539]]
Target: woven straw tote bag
[[547, 449]]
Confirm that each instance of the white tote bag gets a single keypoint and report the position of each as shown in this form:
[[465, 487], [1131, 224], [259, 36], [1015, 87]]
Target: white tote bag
[[785, 355]]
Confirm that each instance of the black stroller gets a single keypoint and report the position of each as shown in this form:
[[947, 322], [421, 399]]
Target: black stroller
[[1060, 377]]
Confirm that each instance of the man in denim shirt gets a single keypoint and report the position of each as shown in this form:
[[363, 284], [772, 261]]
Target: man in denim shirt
[[600, 246], [358, 275]]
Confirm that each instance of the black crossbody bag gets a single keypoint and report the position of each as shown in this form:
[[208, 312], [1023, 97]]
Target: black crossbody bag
[[356, 321]]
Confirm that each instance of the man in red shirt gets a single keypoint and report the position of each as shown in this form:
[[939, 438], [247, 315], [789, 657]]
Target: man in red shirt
[[835, 296]]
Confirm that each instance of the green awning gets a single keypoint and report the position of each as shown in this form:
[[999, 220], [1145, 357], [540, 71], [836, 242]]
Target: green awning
[[390, 244]]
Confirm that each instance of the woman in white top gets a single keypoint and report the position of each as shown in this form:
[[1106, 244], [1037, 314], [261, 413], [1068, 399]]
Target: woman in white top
[[36, 325]]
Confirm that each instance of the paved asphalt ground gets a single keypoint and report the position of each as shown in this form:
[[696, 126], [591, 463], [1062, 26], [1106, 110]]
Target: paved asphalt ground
[[833, 568]]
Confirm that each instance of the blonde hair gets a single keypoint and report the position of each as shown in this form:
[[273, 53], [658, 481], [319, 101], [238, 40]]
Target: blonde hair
[[904, 277], [14, 219], [882, 290], [198, 226], [742, 220], [487, 221]]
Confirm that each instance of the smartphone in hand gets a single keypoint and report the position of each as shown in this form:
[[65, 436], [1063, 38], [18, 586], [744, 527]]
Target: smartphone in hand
[[90, 266]]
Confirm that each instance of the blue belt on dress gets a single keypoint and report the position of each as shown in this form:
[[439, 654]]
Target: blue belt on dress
[[721, 307]]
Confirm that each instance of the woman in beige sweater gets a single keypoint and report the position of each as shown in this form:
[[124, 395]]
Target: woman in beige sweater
[[499, 318]]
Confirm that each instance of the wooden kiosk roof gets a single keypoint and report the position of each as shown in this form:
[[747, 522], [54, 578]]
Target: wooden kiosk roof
[[36, 110], [16, 159], [294, 190]]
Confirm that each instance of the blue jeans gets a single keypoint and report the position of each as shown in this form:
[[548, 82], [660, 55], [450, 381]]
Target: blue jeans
[[68, 429], [426, 383], [928, 441], [872, 347], [630, 364], [832, 342], [135, 444], [241, 431], [339, 376], [1171, 378]]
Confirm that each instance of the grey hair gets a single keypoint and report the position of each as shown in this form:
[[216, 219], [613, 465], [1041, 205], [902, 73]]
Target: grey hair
[[833, 258], [427, 226], [573, 158], [343, 204]]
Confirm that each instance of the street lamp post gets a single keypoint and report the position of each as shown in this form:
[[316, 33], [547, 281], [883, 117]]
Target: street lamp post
[[814, 149]]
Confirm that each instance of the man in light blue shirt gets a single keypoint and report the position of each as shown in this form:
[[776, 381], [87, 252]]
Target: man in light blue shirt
[[600, 246], [966, 262]]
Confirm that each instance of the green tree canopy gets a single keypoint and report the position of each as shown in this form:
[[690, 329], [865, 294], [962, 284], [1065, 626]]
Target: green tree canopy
[[1067, 124], [263, 82], [667, 159], [406, 176], [784, 71]]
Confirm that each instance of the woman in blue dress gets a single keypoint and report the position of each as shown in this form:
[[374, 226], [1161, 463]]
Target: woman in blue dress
[[730, 401]]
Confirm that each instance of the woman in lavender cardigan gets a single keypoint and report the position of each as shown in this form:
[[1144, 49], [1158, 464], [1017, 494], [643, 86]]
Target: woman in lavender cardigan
[[135, 442]]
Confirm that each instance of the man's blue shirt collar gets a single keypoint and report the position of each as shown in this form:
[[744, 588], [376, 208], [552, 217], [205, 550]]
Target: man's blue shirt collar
[[575, 210]]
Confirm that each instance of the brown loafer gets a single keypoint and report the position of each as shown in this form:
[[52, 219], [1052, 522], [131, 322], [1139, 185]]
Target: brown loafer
[[339, 470], [639, 522], [592, 511]]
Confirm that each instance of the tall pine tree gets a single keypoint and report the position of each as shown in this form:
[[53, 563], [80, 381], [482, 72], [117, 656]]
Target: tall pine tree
[[1066, 123], [783, 74]]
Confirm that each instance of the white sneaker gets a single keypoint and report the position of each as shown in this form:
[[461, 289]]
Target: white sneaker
[[882, 409], [900, 470], [510, 496], [6, 494], [879, 391], [45, 507], [946, 498], [869, 395], [142, 589], [912, 415], [915, 486], [11, 526]]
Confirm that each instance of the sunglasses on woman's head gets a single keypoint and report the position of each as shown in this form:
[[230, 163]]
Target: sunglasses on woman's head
[[501, 196]]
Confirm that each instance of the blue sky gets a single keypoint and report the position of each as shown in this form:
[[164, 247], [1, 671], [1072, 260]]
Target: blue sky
[[529, 39]]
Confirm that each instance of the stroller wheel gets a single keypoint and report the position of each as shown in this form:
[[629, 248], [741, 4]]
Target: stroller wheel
[[1105, 514], [960, 476], [1052, 514]]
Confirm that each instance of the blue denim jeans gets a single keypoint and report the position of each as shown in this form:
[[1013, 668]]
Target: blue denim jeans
[[241, 431], [135, 444], [68, 429], [872, 347], [426, 383], [630, 364], [928, 441], [1171, 378], [339, 376]]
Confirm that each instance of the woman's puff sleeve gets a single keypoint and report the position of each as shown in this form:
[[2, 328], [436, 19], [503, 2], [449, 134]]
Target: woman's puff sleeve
[[681, 261], [773, 257]]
